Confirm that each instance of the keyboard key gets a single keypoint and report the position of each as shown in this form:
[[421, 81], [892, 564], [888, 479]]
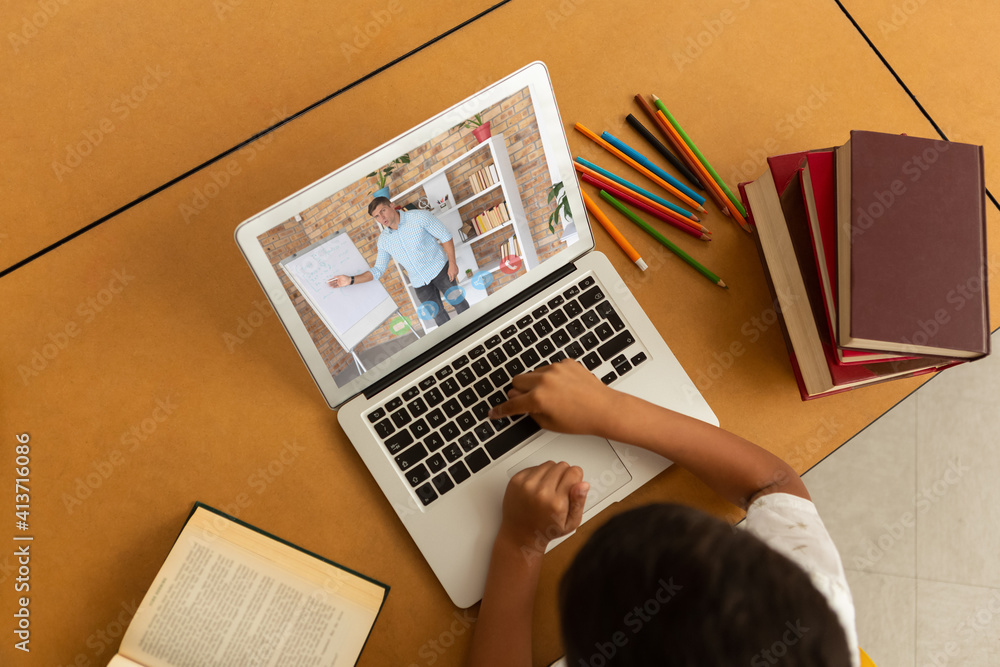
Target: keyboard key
[[385, 428], [417, 474], [639, 358], [609, 378], [401, 417], [465, 420], [557, 357], [497, 398], [624, 368], [433, 397], [542, 328], [468, 442], [450, 431], [393, 404], [481, 367], [497, 357], [586, 282], [512, 347], [376, 415], [615, 345], [477, 351], [618, 360], [558, 318], [556, 302], [419, 428], [443, 373], [435, 418], [410, 456], [571, 292], [483, 387], [484, 432], [411, 393], [591, 319], [493, 341], [459, 472], [465, 377], [482, 410], [449, 386], [591, 297], [527, 337], [540, 311], [435, 463], [461, 361], [452, 408], [574, 350], [514, 367], [604, 331], [433, 442], [443, 483], [545, 347], [417, 407], [530, 358], [500, 424], [604, 308], [509, 331], [477, 460], [524, 321], [512, 437], [499, 377], [427, 382], [427, 494], [452, 452], [575, 328], [591, 361], [468, 397], [399, 442], [589, 340], [615, 322], [560, 337]]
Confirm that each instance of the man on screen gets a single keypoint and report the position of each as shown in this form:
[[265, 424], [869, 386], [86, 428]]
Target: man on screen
[[425, 248]]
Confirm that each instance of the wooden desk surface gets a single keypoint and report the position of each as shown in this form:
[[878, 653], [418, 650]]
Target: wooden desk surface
[[118, 359]]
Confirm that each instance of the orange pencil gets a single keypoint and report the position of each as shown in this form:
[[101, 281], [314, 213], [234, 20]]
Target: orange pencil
[[710, 183], [694, 224], [613, 231], [638, 167]]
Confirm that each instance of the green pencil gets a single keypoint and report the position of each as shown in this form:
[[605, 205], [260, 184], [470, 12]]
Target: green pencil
[[694, 149], [662, 239]]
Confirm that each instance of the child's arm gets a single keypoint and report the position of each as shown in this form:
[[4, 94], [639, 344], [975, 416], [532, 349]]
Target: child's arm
[[566, 397], [541, 504]]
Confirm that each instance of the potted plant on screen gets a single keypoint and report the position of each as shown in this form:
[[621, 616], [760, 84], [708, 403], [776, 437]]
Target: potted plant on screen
[[558, 193], [382, 175], [480, 130]]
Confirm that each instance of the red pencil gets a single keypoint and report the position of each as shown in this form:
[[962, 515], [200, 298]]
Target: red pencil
[[626, 197]]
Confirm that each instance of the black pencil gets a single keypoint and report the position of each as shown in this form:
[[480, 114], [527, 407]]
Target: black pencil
[[664, 151]]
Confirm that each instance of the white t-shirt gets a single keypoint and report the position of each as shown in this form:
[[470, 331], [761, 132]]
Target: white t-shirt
[[791, 526]]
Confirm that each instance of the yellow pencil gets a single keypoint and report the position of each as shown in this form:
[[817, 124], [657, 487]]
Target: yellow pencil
[[613, 231]]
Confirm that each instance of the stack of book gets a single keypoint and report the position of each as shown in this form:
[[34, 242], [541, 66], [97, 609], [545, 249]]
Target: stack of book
[[509, 248], [484, 178], [875, 255], [491, 218]]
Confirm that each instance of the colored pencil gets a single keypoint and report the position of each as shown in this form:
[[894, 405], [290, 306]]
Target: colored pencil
[[584, 171], [720, 197], [664, 151], [629, 199], [662, 239], [635, 188], [649, 164], [582, 129], [613, 231], [681, 149], [694, 149]]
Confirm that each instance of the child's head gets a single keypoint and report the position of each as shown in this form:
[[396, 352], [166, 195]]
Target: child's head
[[671, 585]]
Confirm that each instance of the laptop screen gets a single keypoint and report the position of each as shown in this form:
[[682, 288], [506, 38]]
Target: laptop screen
[[388, 255]]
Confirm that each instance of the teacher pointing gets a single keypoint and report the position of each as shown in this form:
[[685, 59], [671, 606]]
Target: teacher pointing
[[418, 241]]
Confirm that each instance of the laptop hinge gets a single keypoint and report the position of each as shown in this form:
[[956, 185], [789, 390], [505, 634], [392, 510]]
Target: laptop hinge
[[469, 330]]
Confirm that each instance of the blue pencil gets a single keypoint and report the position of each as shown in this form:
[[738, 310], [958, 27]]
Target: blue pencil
[[635, 188], [645, 162]]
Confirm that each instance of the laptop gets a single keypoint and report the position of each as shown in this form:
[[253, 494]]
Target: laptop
[[412, 388]]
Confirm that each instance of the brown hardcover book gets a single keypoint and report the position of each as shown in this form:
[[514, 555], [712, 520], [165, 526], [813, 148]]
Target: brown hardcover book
[[911, 246]]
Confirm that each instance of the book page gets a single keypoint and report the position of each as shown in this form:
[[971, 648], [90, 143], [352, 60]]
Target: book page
[[121, 661], [228, 596]]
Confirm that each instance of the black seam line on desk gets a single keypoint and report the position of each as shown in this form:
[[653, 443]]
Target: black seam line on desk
[[230, 151], [903, 85]]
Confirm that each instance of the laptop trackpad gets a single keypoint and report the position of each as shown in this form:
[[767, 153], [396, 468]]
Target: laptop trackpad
[[601, 465]]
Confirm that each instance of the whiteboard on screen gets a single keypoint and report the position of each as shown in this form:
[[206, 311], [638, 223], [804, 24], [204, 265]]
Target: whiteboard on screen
[[350, 313]]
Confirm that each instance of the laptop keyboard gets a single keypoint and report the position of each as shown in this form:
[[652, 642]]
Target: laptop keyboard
[[437, 430]]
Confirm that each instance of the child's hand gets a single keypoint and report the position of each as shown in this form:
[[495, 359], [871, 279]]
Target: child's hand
[[541, 504], [563, 397]]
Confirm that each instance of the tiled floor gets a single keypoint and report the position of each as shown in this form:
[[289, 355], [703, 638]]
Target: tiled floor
[[913, 504]]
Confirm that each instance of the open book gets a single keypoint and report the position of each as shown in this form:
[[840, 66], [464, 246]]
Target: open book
[[229, 594]]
